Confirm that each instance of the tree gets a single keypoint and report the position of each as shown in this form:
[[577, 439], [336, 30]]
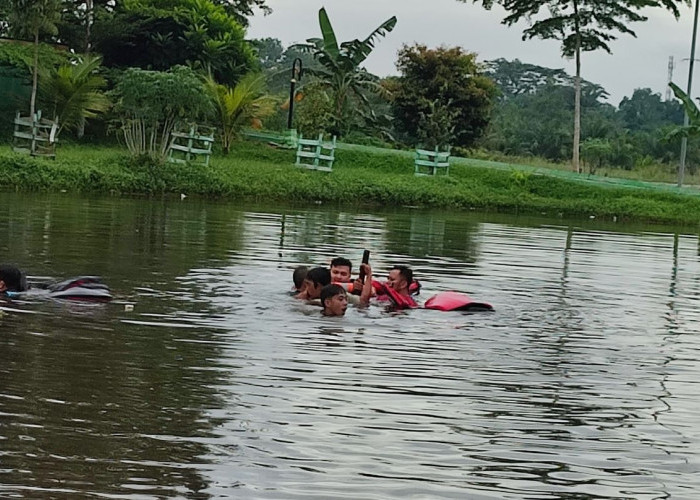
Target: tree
[[244, 104], [270, 52], [537, 124], [5, 9], [597, 153], [276, 62], [515, 78], [645, 110], [341, 72], [73, 92], [242, 9], [78, 18], [31, 18], [314, 113], [160, 34], [150, 104], [442, 91], [581, 26]]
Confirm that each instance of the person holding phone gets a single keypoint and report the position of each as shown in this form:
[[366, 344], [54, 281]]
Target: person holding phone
[[358, 284], [396, 291]]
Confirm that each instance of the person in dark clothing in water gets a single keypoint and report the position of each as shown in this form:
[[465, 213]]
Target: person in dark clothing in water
[[13, 282], [12, 279]]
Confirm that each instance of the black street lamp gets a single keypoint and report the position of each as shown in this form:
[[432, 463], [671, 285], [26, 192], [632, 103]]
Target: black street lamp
[[296, 76]]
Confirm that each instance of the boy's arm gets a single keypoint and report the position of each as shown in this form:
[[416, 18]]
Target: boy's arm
[[367, 287]]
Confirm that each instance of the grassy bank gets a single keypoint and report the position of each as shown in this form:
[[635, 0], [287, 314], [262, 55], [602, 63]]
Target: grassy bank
[[256, 171]]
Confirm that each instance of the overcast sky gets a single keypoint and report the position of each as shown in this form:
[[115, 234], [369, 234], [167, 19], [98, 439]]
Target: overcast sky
[[635, 62]]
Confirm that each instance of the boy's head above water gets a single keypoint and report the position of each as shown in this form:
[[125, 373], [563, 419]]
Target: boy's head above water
[[299, 275], [12, 279], [334, 300], [315, 280], [341, 269]]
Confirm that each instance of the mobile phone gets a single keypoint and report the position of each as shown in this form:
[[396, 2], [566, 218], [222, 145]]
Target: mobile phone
[[365, 260]]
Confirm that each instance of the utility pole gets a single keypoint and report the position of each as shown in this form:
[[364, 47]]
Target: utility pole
[[670, 78], [686, 120]]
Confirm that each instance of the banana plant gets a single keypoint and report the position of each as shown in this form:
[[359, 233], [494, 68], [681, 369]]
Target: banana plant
[[691, 109], [341, 72]]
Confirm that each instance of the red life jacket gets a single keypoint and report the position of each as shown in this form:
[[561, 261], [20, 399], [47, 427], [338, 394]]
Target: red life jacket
[[455, 301], [399, 301]]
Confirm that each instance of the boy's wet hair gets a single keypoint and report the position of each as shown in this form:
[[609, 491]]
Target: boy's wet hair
[[330, 291], [298, 276], [15, 280], [405, 272], [319, 276], [341, 261]]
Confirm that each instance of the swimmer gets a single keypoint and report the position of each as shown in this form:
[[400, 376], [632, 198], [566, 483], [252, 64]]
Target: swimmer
[[396, 289], [316, 278], [12, 279], [341, 269], [400, 279], [334, 300], [298, 276], [13, 282]]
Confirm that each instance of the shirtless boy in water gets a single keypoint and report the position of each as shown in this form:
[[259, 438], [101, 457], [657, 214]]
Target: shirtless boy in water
[[12, 279], [314, 281], [334, 300], [298, 276]]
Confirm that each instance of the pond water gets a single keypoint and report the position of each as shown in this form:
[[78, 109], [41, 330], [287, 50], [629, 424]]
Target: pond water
[[582, 384]]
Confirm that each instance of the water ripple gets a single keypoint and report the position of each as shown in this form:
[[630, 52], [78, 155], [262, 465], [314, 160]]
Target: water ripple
[[583, 384]]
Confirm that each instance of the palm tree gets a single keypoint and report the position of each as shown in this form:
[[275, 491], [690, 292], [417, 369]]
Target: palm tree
[[73, 92], [30, 18], [340, 67], [245, 104]]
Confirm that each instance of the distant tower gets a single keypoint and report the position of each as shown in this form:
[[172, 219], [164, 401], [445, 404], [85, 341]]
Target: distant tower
[[670, 77]]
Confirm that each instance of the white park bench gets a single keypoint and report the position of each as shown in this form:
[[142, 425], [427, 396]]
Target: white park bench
[[432, 162], [192, 146], [315, 154], [36, 136]]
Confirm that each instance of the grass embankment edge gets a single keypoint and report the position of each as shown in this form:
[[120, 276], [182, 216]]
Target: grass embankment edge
[[257, 171]]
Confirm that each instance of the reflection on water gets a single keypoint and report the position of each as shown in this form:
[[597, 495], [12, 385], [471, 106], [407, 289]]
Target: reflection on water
[[583, 383]]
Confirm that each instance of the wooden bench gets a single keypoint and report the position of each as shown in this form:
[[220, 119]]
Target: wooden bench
[[431, 162], [315, 154], [36, 136], [191, 145]]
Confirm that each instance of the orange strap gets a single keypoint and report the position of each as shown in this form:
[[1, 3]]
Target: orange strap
[[347, 286]]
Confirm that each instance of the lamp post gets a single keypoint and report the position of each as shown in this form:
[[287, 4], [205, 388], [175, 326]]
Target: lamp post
[[297, 69], [686, 120]]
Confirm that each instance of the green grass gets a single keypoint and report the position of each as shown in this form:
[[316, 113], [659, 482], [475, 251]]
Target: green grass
[[652, 172], [364, 176]]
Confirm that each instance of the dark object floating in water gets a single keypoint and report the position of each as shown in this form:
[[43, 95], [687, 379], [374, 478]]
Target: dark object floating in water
[[455, 301], [84, 288], [89, 288]]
